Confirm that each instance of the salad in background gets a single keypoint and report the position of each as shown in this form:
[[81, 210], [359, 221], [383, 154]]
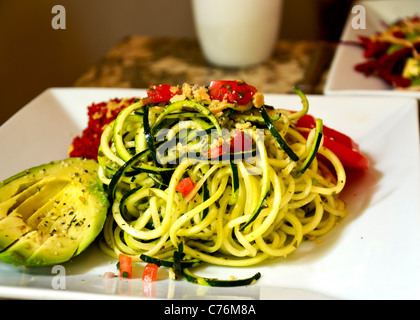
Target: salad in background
[[393, 54]]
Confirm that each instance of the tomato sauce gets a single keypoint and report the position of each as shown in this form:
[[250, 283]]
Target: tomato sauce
[[99, 115]]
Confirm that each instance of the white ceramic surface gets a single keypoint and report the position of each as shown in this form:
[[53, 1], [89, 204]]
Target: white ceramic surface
[[372, 254]]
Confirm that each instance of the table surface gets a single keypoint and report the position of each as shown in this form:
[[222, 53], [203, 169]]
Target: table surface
[[140, 61]]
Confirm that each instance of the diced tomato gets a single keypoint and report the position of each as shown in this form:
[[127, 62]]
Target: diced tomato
[[240, 142], [125, 263], [150, 272], [161, 93], [215, 152], [237, 92], [185, 186], [341, 145]]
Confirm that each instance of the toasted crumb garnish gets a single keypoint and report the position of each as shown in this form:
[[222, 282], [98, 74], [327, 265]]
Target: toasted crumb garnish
[[201, 94], [258, 100]]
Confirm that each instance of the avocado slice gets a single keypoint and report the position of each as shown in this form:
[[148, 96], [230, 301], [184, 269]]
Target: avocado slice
[[52, 212], [12, 228]]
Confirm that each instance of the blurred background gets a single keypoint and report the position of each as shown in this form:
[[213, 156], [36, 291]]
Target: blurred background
[[34, 56]]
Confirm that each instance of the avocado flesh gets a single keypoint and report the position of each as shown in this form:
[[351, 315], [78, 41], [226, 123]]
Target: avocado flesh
[[12, 228], [50, 213], [23, 249]]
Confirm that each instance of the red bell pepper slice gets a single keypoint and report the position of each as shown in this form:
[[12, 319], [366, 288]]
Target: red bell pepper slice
[[237, 92], [349, 158], [125, 265], [308, 121], [150, 272], [185, 186], [341, 138], [340, 144]]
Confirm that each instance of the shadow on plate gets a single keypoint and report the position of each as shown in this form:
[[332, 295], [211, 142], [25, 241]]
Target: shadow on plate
[[89, 268], [358, 193]]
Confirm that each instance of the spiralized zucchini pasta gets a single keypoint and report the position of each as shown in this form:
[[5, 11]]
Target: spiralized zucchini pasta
[[216, 169]]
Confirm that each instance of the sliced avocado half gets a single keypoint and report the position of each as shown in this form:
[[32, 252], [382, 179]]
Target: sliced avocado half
[[52, 212]]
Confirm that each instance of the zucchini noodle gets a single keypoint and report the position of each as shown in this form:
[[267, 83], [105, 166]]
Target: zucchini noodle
[[246, 206]]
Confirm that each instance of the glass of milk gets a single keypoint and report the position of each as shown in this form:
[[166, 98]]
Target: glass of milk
[[237, 33]]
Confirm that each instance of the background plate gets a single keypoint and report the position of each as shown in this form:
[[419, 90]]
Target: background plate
[[372, 254], [342, 78]]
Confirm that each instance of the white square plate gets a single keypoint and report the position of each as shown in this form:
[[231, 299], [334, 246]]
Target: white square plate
[[372, 254], [342, 78]]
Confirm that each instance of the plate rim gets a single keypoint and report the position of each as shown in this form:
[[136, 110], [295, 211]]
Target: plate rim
[[410, 101]]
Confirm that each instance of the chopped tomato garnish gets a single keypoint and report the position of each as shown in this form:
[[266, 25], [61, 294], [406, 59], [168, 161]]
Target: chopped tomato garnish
[[125, 263], [150, 272], [237, 92], [240, 142], [161, 93], [185, 186], [215, 152]]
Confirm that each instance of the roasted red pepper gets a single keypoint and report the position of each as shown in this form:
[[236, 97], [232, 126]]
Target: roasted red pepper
[[384, 64]]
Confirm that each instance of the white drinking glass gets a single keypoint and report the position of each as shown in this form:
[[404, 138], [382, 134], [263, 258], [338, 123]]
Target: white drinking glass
[[237, 33]]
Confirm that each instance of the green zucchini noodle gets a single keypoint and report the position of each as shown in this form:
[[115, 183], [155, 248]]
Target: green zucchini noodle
[[245, 208]]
